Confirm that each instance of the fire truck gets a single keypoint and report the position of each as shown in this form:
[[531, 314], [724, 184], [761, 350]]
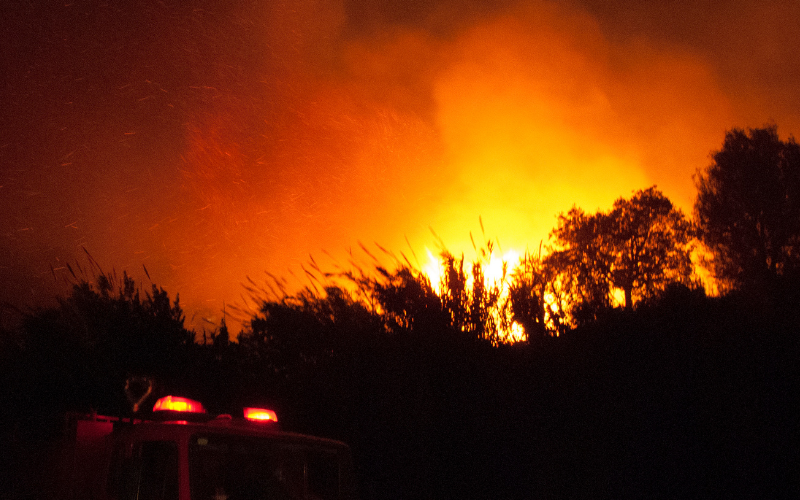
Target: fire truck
[[181, 452]]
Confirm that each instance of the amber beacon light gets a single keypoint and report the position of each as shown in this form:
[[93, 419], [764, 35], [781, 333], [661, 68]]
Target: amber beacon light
[[260, 415], [183, 405]]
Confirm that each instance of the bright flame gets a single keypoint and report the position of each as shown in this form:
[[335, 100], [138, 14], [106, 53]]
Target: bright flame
[[618, 297], [492, 272], [433, 270], [517, 333], [492, 276]]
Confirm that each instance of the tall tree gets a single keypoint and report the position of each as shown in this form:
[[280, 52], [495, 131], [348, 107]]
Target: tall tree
[[584, 263], [539, 297], [83, 349], [748, 208], [301, 330], [639, 247], [650, 241]]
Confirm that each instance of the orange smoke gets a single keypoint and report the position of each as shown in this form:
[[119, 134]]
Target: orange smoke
[[243, 138], [514, 119], [537, 110]]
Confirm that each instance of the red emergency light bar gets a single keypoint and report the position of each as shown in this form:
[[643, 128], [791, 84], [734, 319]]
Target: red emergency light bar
[[168, 406], [177, 404], [260, 415]]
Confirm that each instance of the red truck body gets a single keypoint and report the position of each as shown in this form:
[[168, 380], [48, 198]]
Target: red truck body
[[187, 455]]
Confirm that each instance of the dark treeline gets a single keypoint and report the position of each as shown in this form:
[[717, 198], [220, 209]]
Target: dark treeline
[[632, 382]]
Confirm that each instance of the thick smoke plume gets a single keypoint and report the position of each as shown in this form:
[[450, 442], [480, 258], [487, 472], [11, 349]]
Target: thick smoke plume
[[213, 141]]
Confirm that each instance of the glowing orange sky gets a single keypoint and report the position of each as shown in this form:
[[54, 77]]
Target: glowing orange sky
[[223, 142]]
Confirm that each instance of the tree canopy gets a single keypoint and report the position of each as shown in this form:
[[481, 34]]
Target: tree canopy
[[748, 208], [79, 353], [639, 247]]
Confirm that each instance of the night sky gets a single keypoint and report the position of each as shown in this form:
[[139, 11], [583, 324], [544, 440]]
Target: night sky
[[215, 140]]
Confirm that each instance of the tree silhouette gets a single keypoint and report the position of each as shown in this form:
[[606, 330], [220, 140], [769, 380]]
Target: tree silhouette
[[455, 291], [583, 263], [748, 208], [465, 301], [478, 309], [78, 354], [539, 297], [136, 334], [639, 247], [651, 245], [299, 331], [408, 302]]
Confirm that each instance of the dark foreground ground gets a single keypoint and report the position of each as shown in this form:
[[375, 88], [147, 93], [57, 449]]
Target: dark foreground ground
[[693, 398]]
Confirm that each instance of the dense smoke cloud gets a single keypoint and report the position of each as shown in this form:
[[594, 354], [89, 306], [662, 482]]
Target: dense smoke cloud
[[210, 141]]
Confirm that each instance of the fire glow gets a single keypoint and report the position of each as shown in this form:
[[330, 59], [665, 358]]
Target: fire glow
[[496, 270], [214, 145]]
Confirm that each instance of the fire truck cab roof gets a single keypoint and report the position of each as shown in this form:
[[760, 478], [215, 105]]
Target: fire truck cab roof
[[183, 453]]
